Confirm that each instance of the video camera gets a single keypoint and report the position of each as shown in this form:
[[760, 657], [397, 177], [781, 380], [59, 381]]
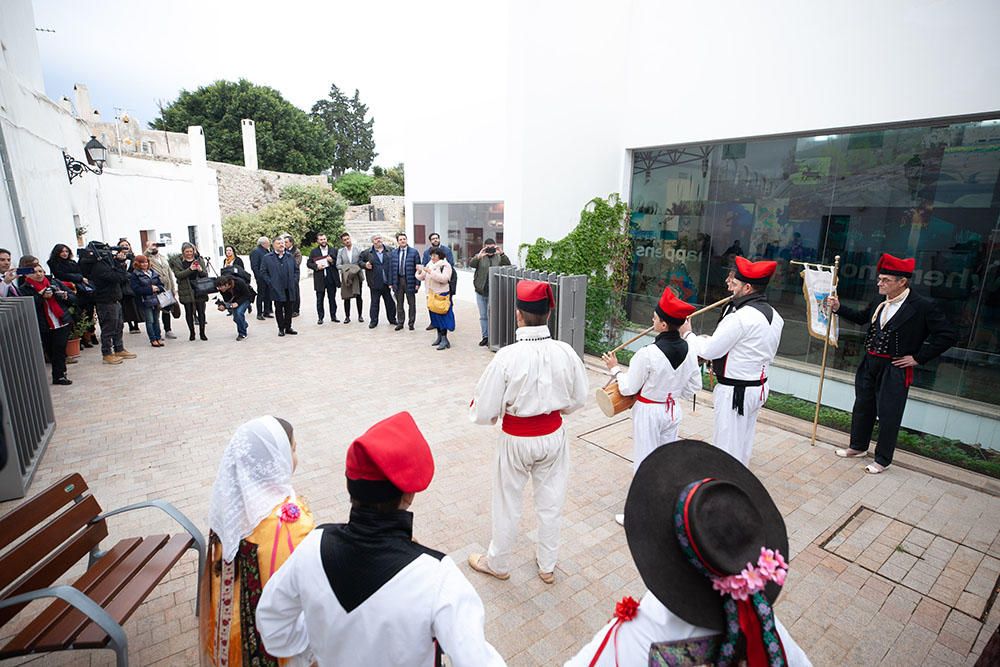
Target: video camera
[[98, 250]]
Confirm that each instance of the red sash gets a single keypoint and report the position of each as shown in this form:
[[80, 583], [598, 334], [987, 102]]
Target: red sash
[[669, 403], [535, 425], [907, 372]]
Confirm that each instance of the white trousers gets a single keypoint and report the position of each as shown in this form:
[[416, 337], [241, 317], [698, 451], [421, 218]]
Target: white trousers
[[545, 459], [652, 426], [734, 432]]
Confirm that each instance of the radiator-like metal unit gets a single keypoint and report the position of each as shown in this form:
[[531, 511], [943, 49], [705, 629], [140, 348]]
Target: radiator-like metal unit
[[567, 320], [27, 419]]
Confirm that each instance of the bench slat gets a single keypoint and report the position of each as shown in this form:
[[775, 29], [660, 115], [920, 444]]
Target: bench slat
[[137, 590], [53, 567], [102, 592], [24, 517], [28, 637], [20, 558]]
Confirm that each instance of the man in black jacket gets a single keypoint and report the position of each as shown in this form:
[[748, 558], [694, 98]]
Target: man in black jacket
[[264, 308], [326, 278], [905, 330], [108, 276], [375, 262], [236, 296]]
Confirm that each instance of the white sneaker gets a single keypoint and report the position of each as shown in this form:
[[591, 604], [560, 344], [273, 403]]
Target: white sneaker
[[620, 519]]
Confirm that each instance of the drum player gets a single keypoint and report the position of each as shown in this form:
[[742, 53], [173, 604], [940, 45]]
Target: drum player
[[661, 375]]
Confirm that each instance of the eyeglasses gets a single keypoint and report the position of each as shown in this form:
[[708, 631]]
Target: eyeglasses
[[880, 281]]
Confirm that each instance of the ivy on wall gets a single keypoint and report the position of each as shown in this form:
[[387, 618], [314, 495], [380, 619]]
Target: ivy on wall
[[600, 248]]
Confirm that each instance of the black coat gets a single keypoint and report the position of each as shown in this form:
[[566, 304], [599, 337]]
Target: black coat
[[377, 277], [108, 279], [920, 328], [257, 255], [64, 298], [239, 293], [66, 269], [279, 276], [328, 277]]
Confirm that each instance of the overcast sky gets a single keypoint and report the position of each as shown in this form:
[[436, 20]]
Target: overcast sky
[[134, 53]]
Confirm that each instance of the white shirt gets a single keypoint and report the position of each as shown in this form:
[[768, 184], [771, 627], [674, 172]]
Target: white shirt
[[534, 376], [650, 371], [7, 289], [654, 624], [428, 598], [747, 338], [892, 307]]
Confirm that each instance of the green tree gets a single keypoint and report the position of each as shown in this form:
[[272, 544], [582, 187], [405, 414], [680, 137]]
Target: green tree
[[355, 186], [389, 181], [288, 139], [344, 119], [323, 207], [243, 229]]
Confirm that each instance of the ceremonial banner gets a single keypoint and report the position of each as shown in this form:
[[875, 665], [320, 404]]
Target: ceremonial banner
[[817, 284]]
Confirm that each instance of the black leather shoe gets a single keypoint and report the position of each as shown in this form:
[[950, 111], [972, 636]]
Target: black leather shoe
[[334, 319], [269, 315], [430, 327], [484, 342], [347, 320], [411, 327], [63, 381], [399, 327], [360, 319], [291, 332], [319, 321], [261, 317], [372, 325], [281, 333]]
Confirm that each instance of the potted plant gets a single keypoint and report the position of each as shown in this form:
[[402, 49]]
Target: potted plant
[[79, 329]]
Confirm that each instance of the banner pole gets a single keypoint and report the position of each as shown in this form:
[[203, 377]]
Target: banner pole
[[826, 345]]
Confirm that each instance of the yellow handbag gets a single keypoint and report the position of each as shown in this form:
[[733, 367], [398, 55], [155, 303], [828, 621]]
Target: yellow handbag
[[438, 303]]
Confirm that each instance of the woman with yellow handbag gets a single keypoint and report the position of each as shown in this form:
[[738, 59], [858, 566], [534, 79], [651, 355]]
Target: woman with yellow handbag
[[437, 275]]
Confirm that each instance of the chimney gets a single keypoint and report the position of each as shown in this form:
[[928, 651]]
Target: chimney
[[196, 141], [249, 144], [83, 108], [66, 104]]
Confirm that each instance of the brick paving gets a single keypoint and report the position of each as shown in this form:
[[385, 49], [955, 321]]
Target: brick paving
[[896, 569]]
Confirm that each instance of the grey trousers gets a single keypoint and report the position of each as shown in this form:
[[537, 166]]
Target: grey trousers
[[110, 317]]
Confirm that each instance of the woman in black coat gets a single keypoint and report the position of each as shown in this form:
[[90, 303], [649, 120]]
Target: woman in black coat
[[130, 308], [65, 268]]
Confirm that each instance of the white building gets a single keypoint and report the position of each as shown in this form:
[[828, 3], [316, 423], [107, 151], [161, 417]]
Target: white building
[[137, 198], [569, 101]]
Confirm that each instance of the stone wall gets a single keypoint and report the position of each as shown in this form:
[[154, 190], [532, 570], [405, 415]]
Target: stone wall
[[242, 190]]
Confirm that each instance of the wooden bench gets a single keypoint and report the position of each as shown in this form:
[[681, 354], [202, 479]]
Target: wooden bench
[[36, 551]]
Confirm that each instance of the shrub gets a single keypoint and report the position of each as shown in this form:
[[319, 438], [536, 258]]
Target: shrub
[[355, 186], [323, 207], [383, 185], [243, 229]]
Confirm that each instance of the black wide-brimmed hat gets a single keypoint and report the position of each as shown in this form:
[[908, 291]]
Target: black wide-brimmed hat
[[726, 511]]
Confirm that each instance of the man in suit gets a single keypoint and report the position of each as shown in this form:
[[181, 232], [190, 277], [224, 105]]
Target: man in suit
[[905, 330], [296, 254], [326, 278], [257, 255], [350, 276], [375, 261], [281, 277], [7, 275], [403, 278]]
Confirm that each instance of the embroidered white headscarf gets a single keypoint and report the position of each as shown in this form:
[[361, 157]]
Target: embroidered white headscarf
[[254, 476]]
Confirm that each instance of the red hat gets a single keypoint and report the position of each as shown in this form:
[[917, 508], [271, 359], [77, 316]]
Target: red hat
[[391, 458], [671, 309], [894, 266], [754, 273], [534, 297]]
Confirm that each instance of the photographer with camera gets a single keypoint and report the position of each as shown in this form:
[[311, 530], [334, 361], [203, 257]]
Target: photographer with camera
[[188, 266], [235, 295], [105, 268], [490, 255], [52, 303]]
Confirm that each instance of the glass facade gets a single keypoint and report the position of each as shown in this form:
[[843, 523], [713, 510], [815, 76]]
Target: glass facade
[[928, 191], [462, 226]]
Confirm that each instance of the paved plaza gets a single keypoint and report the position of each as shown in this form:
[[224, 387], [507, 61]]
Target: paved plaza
[[896, 569]]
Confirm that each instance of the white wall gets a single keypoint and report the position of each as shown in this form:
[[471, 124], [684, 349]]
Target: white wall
[[700, 71]]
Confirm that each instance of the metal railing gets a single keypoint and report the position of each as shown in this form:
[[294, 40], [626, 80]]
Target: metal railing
[[567, 320], [27, 419]]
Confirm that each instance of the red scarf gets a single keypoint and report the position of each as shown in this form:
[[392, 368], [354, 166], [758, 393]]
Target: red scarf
[[54, 312]]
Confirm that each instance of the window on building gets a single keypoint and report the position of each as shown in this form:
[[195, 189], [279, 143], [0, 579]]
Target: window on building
[[462, 226], [931, 192], [193, 235]]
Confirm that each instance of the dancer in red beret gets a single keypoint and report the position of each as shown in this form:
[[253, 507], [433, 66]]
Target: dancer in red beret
[[905, 330], [663, 374], [741, 350], [530, 385], [363, 592]]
